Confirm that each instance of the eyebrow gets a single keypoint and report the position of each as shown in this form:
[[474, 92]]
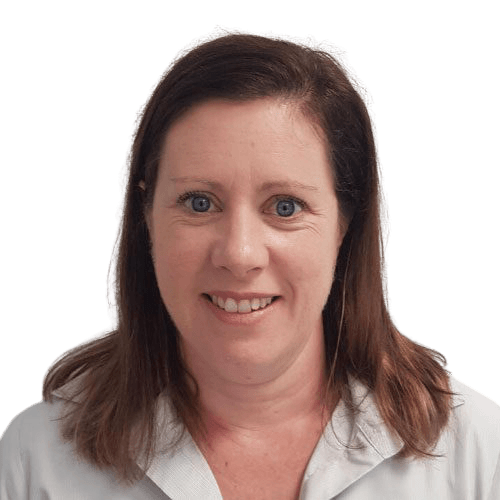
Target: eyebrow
[[267, 186]]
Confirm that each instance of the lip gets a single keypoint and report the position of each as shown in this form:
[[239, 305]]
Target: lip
[[240, 319], [240, 296]]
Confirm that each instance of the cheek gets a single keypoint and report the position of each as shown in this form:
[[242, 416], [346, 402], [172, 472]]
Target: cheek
[[178, 256], [310, 263]]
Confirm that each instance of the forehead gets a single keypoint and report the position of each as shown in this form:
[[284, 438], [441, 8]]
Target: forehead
[[263, 136]]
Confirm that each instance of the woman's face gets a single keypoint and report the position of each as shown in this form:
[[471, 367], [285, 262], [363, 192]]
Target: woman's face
[[245, 214]]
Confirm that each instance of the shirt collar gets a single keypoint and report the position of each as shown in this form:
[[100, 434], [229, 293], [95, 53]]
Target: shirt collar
[[353, 446], [350, 446]]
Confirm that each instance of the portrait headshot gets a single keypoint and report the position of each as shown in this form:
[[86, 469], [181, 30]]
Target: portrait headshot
[[252, 256]]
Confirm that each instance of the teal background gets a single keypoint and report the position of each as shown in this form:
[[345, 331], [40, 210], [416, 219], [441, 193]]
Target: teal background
[[76, 75]]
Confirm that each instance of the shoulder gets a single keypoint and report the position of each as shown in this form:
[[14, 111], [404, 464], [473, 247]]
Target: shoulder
[[475, 414], [31, 434], [471, 442], [36, 423], [32, 431], [36, 462]]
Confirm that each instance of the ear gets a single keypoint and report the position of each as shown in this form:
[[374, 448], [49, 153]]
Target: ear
[[142, 185]]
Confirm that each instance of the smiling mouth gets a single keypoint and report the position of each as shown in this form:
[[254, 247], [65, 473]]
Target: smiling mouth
[[244, 306]]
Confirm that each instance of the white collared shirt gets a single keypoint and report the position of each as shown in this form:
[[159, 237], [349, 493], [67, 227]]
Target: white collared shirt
[[36, 464]]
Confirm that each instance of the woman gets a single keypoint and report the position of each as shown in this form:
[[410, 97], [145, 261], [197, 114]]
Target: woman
[[254, 355]]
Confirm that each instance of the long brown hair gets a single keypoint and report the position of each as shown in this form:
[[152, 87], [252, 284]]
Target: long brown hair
[[121, 375]]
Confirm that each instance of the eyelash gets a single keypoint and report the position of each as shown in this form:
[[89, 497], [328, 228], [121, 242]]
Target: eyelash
[[192, 194]]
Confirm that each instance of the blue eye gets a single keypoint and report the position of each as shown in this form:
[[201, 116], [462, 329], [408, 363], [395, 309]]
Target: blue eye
[[287, 207], [196, 202], [200, 203]]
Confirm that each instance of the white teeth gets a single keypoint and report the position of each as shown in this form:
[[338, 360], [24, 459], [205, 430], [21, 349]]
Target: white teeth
[[243, 306], [255, 304], [231, 306]]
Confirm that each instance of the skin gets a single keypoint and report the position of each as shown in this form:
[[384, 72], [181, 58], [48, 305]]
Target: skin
[[261, 376]]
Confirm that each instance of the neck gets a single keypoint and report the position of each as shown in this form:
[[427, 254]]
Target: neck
[[284, 399]]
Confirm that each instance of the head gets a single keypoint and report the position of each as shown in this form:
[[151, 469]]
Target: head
[[241, 70], [314, 106]]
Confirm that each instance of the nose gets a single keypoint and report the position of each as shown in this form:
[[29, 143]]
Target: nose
[[240, 245]]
